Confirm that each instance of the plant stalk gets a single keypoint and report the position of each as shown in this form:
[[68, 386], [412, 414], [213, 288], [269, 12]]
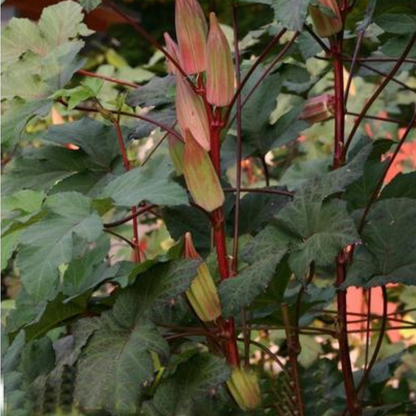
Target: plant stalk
[[338, 161]]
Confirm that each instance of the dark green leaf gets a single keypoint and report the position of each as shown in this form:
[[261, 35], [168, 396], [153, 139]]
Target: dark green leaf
[[151, 183], [193, 379], [402, 186], [99, 141], [263, 254], [389, 251], [157, 92]]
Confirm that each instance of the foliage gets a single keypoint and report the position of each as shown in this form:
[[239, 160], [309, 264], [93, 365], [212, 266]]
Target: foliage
[[96, 206]]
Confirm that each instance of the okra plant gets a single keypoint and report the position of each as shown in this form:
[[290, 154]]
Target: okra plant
[[228, 229]]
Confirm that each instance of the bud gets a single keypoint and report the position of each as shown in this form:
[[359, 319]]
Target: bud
[[173, 51], [191, 114], [202, 294], [220, 72], [326, 25], [176, 151], [319, 108], [191, 32], [244, 387], [200, 176]]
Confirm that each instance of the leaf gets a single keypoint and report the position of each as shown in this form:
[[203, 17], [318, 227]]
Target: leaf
[[259, 134], [157, 92], [291, 13], [402, 186], [8, 246], [388, 254], [151, 183], [91, 270], [257, 209], [182, 219], [52, 241], [318, 382], [47, 58], [161, 283], [194, 378], [115, 363], [396, 23], [89, 5], [166, 116], [16, 399], [116, 360], [263, 254], [18, 115], [319, 232], [61, 169], [98, 140]]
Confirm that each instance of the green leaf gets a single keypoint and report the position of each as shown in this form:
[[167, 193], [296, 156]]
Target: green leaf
[[161, 283], [402, 186], [388, 254], [263, 254], [8, 246], [182, 219], [396, 23], [116, 362], [318, 383], [194, 378], [54, 313], [257, 209], [291, 13], [18, 115], [52, 241], [151, 183], [158, 92], [319, 231], [25, 201], [98, 140], [91, 270], [16, 398], [61, 169], [89, 5]]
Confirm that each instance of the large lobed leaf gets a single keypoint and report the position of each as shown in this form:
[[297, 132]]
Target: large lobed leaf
[[70, 222], [192, 379], [388, 253], [117, 360]]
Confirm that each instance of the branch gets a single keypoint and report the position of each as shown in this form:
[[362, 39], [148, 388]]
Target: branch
[[259, 60], [127, 114], [378, 92], [130, 217], [109, 79], [261, 191]]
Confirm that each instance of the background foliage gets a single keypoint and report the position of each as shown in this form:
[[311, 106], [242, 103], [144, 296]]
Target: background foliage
[[87, 329]]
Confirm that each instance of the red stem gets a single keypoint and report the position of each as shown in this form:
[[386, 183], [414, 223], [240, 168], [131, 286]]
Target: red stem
[[338, 161], [109, 79], [135, 225]]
